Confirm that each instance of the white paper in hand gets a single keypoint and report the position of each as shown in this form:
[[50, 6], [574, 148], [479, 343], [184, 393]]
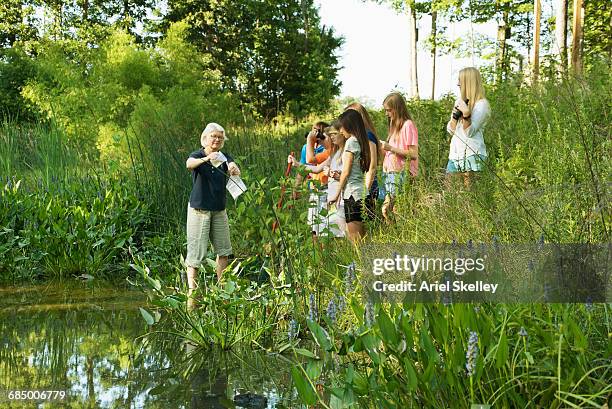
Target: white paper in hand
[[218, 160], [235, 186]]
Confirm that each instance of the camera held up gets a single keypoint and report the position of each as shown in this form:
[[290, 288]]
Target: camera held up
[[457, 114]]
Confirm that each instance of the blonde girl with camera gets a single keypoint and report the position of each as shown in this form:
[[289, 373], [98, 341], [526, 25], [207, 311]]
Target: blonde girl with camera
[[471, 112]]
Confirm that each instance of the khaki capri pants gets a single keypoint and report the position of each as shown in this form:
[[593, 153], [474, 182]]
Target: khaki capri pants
[[203, 225]]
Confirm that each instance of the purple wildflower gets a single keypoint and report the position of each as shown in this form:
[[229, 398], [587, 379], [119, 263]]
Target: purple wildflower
[[472, 353]]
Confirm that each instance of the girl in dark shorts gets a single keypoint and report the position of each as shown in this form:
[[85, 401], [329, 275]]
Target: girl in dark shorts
[[371, 180], [355, 162]]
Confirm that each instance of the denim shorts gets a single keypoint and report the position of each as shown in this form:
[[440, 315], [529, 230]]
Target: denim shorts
[[472, 163], [392, 183]]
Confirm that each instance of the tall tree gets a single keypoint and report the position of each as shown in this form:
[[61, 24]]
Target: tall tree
[[537, 12], [513, 20], [439, 10], [17, 22], [275, 54], [597, 33], [561, 33], [413, 90], [434, 45], [577, 37]]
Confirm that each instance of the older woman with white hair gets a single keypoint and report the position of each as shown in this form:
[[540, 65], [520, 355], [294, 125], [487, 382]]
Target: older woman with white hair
[[206, 215]]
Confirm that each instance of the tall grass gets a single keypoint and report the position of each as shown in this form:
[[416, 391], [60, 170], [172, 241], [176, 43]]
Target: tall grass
[[547, 177]]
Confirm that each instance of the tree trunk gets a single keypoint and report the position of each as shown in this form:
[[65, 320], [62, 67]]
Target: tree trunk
[[412, 52], [501, 49], [537, 12], [577, 37], [126, 15], [434, 39], [561, 33], [85, 9], [501, 52]]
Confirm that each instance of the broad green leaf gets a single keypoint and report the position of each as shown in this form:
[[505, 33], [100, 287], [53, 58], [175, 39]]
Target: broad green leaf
[[306, 353], [387, 329], [320, 335], [501, 356], [303, 386], [411, 375], [148, 317], [314, 369]]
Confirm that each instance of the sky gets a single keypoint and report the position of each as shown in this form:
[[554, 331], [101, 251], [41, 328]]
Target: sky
[[374, 56]]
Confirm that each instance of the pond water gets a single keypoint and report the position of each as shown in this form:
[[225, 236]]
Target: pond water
[[88, 340]]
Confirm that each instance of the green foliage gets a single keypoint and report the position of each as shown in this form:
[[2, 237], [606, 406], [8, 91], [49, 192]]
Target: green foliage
[[16, 68], [275, 55], [597, 33], [92, 93], [417, 356], [17, 22], [56, 229]]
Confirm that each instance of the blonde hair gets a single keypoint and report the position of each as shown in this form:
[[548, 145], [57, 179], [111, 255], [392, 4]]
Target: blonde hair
[[470, 84], [367, 121], [396, 102], [334, 126]]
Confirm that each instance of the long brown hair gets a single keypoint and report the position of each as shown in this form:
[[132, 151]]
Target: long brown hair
[[367, 121], [396, 102], [352, 122]]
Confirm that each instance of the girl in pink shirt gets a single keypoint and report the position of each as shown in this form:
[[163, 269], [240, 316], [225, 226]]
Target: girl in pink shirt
[[402, 146]]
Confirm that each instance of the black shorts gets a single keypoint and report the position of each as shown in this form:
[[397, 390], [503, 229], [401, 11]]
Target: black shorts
[[353, 210], [370, 204]]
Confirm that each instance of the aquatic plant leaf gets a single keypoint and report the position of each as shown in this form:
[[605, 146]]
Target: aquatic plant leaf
[[387, 329], [411, 375], [306, 353], [303, 386], [320, 335], [501, 356], [148, 317]]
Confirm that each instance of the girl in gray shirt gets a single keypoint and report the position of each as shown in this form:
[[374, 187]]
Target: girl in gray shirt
[[355, 162]]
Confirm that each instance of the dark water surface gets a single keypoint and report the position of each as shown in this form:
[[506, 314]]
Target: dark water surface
[[88, 340]]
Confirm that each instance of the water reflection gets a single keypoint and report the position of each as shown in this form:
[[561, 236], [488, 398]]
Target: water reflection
[[88, 341]]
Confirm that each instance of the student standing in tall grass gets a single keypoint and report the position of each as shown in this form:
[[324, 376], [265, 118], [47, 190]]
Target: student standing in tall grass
[[371, 180], [332, 167], [206, 215], [468, 151], [318, 181], [355, 163], [402, 145]]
